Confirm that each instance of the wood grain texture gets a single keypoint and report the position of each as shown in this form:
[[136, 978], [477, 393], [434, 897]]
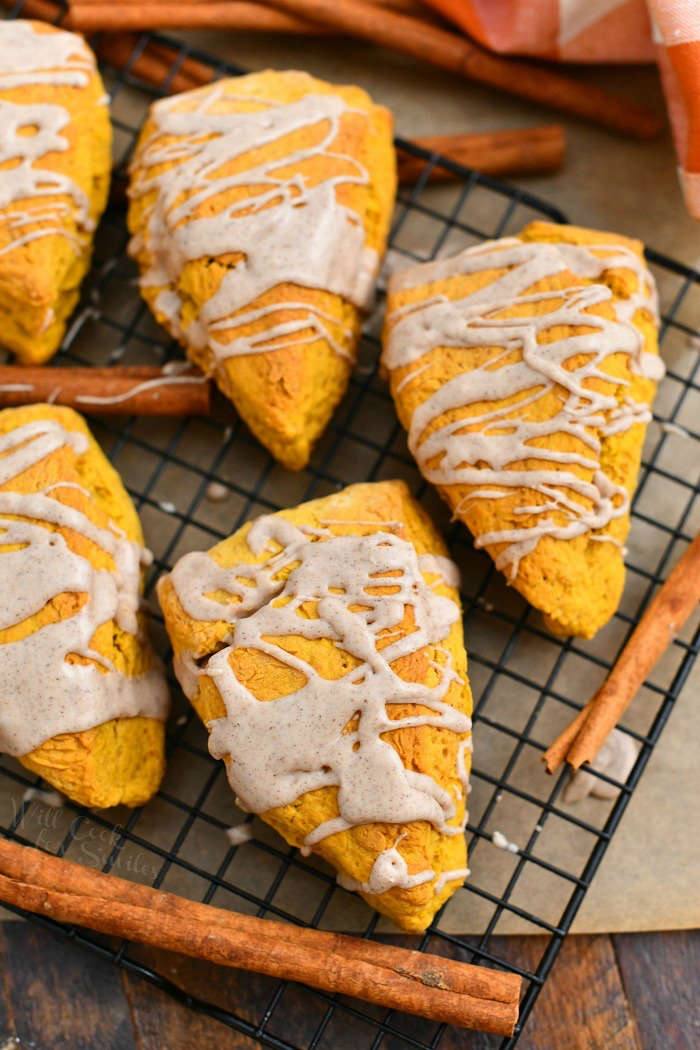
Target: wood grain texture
[[661, 976], [60, 997], [155, 1013], [478, 997], [583, 1005], [628, 992], [247, 995]]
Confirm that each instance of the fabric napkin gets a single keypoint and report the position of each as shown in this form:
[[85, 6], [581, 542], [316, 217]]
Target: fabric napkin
[[605, 31]]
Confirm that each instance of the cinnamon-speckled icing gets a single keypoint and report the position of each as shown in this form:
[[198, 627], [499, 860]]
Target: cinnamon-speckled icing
[[491, 457], [330, 733], [42, 693], [297, 232], [55, 59]]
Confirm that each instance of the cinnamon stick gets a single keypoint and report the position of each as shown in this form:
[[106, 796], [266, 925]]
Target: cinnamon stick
[[47, 10], [414, 7], [517, 152], [131, 390], [393, 28], [433, 987], [185, 14], [460, 55], [513, 152], [157, 64], [664, 617]]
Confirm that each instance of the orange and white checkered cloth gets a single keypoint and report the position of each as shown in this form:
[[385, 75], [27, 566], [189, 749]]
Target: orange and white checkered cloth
[[605, 31]]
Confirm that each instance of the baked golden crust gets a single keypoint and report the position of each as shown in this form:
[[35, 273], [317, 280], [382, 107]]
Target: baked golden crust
[[122, 760], [576, 582], [40, 278], [285, 395], [425, 749]]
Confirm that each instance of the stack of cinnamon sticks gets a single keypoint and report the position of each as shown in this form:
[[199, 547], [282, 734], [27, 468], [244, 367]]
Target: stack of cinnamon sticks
[[431, 986], [517, 151], [405, 26], [257, 15]]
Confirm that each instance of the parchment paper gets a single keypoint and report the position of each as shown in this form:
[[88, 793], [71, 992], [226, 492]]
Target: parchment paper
[[649, 876], [648, 879]]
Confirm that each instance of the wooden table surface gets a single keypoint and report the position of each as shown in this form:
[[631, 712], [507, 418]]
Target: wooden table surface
[[623, 992]]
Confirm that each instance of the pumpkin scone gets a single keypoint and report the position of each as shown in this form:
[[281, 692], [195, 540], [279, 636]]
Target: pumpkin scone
[[259, 208], [55, 159], [523, 370], [82, 695], [322, 646]]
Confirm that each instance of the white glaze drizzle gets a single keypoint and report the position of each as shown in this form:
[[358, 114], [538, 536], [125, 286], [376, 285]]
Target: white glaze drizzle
[[283, 748], [441, 566], [669, 427], [175, 367], [41, 693], [298, 233], [500, 840], [486, 458], [239, 834], [56, 59], [54, 799], [30, 56], [216, 492], [454, 875], [389, 870], [140, 388], [616, 757]]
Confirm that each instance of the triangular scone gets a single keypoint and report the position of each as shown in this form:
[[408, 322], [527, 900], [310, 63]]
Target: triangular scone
[[55, 159], [523, 370], [301, 640], [260, 207], [82, 695]]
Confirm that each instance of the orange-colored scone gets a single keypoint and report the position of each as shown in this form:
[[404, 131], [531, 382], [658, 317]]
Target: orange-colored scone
[[524, 370], [323, 648], [260, 207], [55, 161], [82, 696]]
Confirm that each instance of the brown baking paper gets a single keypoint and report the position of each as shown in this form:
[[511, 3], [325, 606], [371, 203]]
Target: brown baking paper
[[648, 878]]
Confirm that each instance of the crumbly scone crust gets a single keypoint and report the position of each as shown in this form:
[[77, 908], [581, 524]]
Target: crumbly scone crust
[[287, 396], [45, 274], [121, 761], [576, 583], [423, 748]]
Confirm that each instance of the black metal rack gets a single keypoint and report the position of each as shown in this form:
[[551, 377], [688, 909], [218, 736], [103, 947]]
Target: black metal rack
[[364, 442]]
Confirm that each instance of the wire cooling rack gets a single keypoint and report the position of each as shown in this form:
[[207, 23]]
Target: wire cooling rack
[[178, 841]]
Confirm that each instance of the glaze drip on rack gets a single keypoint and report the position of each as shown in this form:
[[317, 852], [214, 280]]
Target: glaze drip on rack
[[491, 458], [56, 59], [286, 230], [42, 692], [358, 589]]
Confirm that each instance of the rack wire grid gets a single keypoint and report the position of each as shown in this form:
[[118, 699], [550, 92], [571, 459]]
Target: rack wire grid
[[177, 840]]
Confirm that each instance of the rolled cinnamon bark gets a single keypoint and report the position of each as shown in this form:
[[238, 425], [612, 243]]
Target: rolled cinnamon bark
[[186, 14], [460, 55], [441, 989], [395, 29], [47, 10], [118, 390], [664, 617], [514, 152]]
